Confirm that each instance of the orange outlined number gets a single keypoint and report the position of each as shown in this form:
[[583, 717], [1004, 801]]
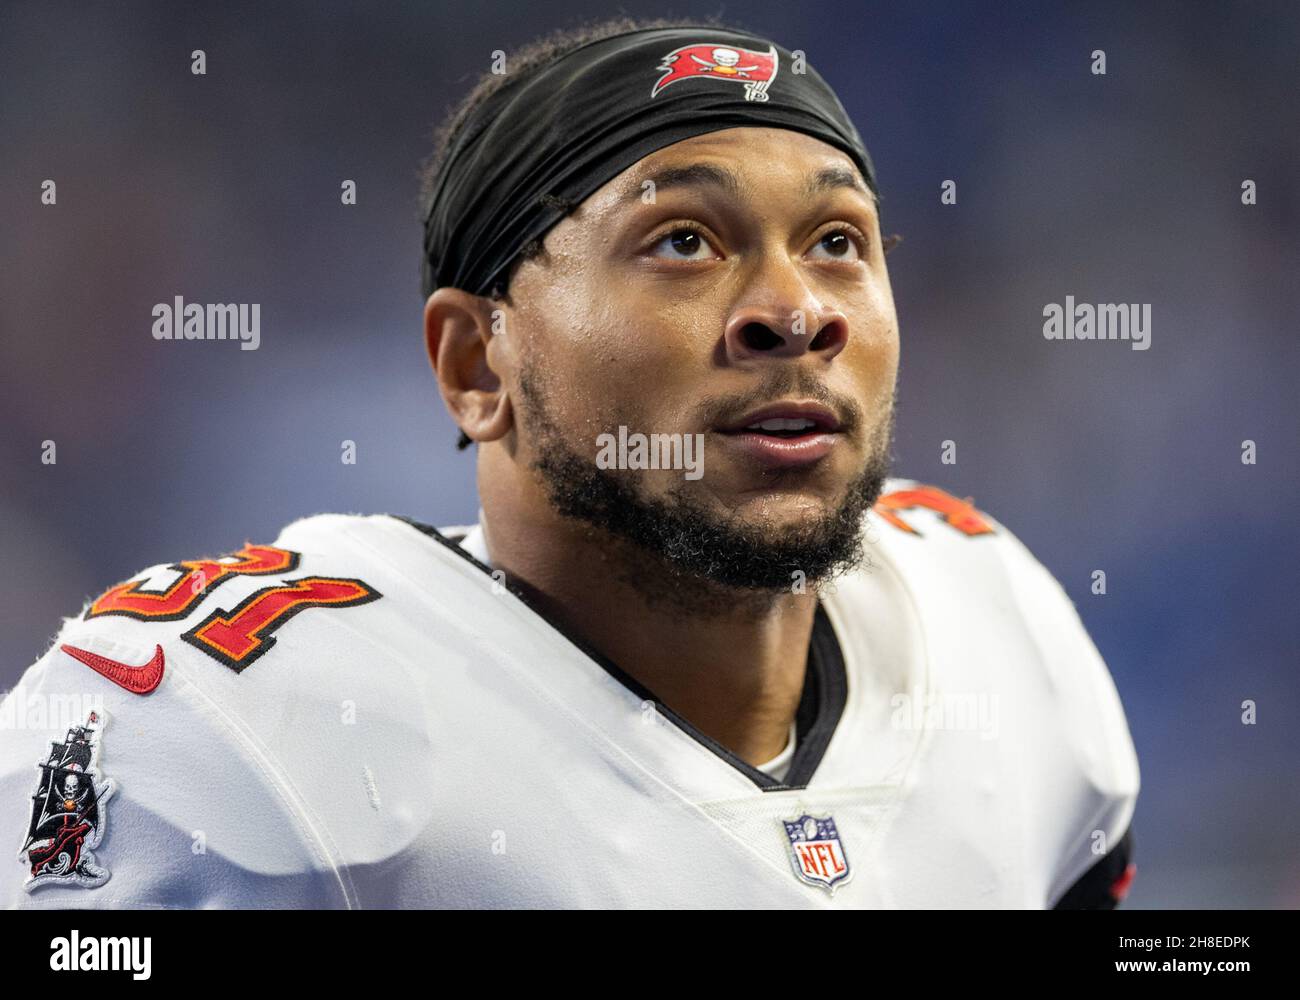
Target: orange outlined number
[[960, 514], [197, 579], [239, 637]]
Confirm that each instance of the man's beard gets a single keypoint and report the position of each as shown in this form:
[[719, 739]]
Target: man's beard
[[707, 562]]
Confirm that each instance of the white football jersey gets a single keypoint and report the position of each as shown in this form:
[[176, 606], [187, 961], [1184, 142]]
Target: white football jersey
[[365, 714]]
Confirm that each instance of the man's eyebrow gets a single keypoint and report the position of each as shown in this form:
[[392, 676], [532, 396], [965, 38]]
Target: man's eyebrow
[[829, 178], [694, 175], [709, 175]]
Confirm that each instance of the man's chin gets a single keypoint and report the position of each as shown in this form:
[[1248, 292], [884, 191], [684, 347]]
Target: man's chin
[[693, 544], [684, 543], [774, 511]]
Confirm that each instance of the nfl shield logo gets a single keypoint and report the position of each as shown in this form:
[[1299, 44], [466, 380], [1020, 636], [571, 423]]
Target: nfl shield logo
[[816, 852]]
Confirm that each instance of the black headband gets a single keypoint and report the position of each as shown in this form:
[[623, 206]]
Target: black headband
[[534, 149]]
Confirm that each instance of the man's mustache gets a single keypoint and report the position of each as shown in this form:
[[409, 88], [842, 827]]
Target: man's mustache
[[719, 410]]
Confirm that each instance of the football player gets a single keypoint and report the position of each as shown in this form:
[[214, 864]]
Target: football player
[[699, 650]]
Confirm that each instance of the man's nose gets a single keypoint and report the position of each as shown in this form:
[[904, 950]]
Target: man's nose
[[783, 319]]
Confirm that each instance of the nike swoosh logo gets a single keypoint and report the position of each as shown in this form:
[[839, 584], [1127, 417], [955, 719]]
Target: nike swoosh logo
[[137, 680]]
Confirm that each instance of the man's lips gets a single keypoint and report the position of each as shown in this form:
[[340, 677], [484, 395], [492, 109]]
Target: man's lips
[[822, 419], [783, 435]]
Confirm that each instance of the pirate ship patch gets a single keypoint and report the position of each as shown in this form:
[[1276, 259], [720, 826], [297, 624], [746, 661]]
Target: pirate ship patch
[[68, 815]]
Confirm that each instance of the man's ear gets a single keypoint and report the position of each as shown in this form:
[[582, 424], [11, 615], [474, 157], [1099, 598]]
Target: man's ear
[[458, 328]]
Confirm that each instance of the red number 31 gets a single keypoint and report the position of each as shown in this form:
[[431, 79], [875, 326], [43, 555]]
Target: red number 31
[[237, 637]]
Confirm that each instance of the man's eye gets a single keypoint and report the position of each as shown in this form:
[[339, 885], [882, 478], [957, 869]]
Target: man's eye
[[684, 244], [839, 244]]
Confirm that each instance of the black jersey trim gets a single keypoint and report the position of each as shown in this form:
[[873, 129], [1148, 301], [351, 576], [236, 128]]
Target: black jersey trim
[[825, 693], [1092, 891], [821, 705]]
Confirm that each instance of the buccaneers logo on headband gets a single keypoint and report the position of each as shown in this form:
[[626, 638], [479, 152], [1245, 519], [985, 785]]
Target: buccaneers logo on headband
[[756, 70]]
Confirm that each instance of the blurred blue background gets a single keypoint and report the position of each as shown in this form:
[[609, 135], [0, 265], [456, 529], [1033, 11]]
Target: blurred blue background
[[1115, 188]]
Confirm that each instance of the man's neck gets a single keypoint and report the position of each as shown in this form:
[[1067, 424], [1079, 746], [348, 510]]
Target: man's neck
[[733, 668]]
